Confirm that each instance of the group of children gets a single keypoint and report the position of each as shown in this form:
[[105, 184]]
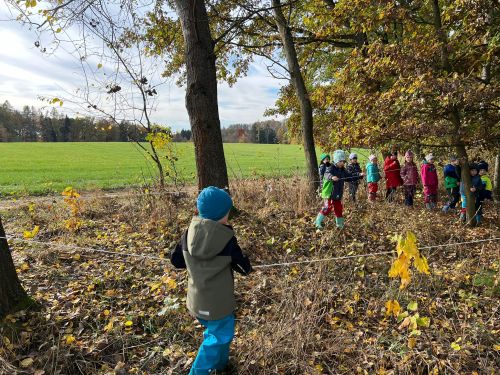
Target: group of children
[[209, 251], [333, 175]]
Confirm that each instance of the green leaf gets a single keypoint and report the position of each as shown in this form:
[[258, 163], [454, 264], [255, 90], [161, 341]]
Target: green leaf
[[401, 316], [412, 306], [424, 322]]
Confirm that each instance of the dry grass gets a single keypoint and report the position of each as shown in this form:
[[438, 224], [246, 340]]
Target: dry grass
[[320, 318]]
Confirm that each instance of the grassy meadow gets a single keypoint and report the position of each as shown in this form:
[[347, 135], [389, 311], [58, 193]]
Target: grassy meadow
[[40, 168]]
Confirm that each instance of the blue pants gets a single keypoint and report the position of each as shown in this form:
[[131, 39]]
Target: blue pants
[[214, 350]]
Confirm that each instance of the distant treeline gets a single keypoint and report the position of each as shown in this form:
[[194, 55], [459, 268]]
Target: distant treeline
[[259, 132], [34, 125]]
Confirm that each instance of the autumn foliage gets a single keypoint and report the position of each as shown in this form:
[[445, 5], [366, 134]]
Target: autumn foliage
[[106, 313]]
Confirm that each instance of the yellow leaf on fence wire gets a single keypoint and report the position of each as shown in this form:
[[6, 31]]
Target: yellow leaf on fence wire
[[407, 251]]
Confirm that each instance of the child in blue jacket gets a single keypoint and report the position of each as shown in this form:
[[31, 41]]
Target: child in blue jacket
[[372, 177], [476, 189]]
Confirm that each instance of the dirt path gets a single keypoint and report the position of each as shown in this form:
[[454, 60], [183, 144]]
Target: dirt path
[[8, 204]]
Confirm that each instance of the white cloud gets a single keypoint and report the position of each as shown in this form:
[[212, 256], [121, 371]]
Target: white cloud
[[26, 74]]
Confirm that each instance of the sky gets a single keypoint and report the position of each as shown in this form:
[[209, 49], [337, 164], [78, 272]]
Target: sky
[[26, 74]]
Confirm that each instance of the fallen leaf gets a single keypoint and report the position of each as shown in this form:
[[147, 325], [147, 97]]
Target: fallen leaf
[[27, 362]]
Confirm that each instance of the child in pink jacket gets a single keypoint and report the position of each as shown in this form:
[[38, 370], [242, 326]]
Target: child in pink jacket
[[430, 182]]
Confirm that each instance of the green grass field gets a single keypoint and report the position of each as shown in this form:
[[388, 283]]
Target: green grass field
[[40, 168]]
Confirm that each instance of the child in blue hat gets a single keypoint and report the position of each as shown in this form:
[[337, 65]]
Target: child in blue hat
[[210, 252]]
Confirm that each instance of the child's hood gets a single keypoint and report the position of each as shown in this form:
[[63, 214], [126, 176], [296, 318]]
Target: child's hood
[[206, 238]]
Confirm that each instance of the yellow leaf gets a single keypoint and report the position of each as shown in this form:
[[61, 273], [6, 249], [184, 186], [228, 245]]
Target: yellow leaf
[[129, 323], [31, 234], [405, 278], [155, 286], [399, 265], [27, 362], [421, 264], [106, 312], [413, 323], [70, 339], [496, 347], [411, 342], [455, 346], [392, 307], [108, 327], [76, 257], [171, 283], [99, 66], [25, 266]]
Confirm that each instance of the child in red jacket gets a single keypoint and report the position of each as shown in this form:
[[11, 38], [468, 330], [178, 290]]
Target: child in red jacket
[[430, 182], [393, 179]]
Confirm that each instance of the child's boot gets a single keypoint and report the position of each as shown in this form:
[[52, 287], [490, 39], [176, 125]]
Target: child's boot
[[340, 222], [319, 221]]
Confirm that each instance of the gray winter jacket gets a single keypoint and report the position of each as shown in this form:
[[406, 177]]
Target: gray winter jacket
[[210, 252]]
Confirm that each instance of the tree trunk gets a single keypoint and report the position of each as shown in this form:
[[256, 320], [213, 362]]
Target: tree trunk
[[201, 94], [300, 88], [465, 179], [12, 295], [496, 180], [455, 118]]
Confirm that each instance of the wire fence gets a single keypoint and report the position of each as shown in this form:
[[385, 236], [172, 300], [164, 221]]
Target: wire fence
[[57, 245]]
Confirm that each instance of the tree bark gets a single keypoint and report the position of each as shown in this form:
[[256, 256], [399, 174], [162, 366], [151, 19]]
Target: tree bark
[[301, 90], [496, 180], [201, 94], [12, 295], [466, 180]]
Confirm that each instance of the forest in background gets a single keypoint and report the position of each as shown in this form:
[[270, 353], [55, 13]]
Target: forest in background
[[37, 125]]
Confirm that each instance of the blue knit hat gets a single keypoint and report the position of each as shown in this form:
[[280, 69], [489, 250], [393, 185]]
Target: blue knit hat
[[338, 155], [213, 203]]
